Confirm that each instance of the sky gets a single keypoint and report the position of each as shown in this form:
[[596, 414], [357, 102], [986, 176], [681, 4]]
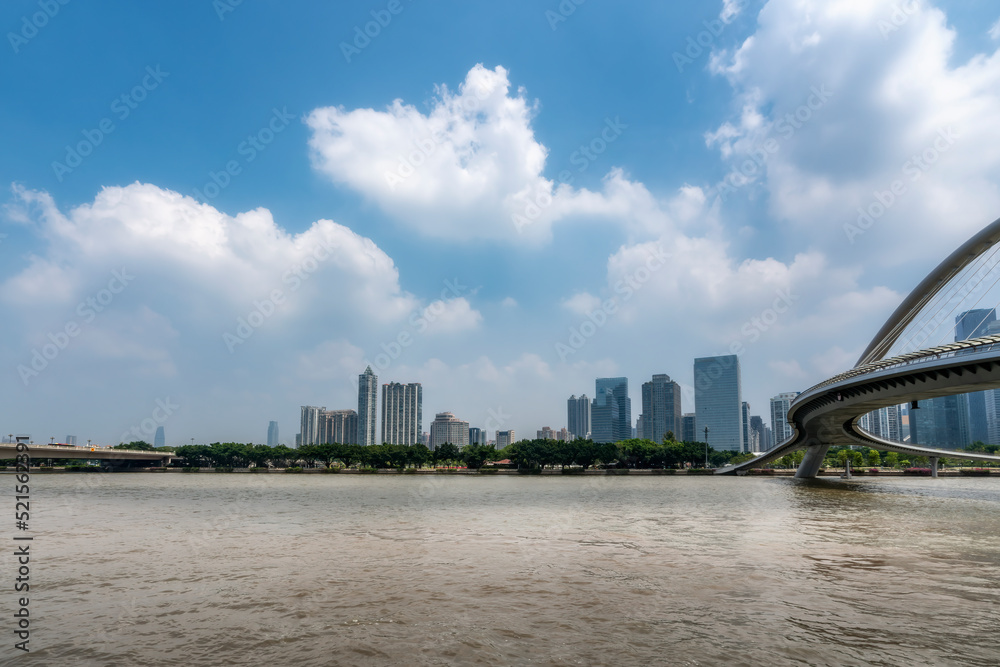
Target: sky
[[216, 212]]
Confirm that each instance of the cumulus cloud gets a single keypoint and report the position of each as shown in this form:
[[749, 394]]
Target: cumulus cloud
[[469, 168], [831, 117]]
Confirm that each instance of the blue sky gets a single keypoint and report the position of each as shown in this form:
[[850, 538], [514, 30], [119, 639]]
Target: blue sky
[[356, 261]]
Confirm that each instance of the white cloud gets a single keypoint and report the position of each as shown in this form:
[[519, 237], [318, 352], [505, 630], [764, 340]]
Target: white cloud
[[840, 100], [995, 30], [450, 316], [470, 168], [509, 302]]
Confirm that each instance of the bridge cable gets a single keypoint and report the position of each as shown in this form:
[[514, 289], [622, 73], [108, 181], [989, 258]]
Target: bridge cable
[[936, 304], [958, 287], [982, 296]]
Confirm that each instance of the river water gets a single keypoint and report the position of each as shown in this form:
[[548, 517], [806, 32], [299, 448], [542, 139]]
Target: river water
[[172, 569]]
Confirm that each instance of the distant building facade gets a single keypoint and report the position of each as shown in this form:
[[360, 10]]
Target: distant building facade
[[367, 408], [719, 401], [446, 427], [159, 440], [661, 409], [780, 427], [578, 416], [611, 411], [338, 427], [272, 434], [689, 428], [758, 435], [477, 436], [505, 438], [402, 413], [309, 427]]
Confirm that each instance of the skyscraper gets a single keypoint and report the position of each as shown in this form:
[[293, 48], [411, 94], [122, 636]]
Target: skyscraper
[[718, 399], [661, 408], [402, 413], [505, 438], [272, 434], [159, 440], [940, 422], [310, 425], [780, 427], [689, 428], [477, 436], [745, 418], [70, 439], [611, 411], [758, 435], [367, 408], [446, 427], [578, 416], [973, 324]]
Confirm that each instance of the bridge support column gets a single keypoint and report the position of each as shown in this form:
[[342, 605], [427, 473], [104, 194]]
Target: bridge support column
[[812, 461], [934, 466]]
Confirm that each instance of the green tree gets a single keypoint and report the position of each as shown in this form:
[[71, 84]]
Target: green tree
[[892, 459], [874, 458], [857, 459], [418, 455], [139, 445], [446, 453], [474, 456]]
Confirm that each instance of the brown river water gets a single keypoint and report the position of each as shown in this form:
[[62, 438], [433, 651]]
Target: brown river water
[[214, 569]]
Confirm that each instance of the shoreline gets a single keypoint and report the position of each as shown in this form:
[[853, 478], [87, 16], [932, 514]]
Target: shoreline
[[489, 472]]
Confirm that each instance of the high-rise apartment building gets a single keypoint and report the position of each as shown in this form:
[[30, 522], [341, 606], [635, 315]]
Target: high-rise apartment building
[[477, 436], [578, 416], [367, 408], [546, 433], [689, 428], [446, 427], [505, 438], [309, 430], [70, 439], [402, 413], [338, 427], [718, 399], [611, 411], [661, 409], [780, 427], [272, 434], [883, 423]]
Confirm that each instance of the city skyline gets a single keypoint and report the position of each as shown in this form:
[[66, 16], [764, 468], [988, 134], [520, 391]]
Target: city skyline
[[170, 246]]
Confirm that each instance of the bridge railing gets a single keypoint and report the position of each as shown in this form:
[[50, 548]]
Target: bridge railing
[[970, 346]]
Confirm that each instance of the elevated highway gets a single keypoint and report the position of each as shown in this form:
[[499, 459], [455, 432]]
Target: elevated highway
[[40, 452]]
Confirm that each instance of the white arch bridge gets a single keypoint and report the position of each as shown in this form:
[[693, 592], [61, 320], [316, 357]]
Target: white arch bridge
[[829, 413]]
